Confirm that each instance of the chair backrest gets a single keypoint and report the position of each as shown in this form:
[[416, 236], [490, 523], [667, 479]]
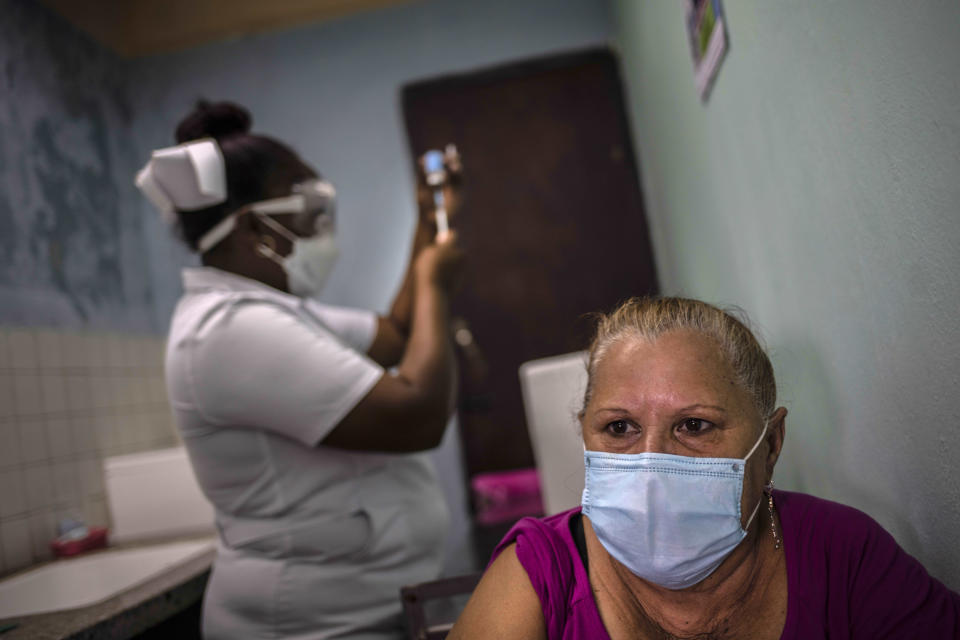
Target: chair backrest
[[449, 595], [552, 394]]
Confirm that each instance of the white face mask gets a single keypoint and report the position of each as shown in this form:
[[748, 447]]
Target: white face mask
[[309, 264]]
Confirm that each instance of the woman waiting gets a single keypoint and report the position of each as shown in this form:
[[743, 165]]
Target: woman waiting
[[306, 446], [680, 533]]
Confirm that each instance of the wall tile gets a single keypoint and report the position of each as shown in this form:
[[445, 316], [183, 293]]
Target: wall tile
[[85, 438], [43, 529], [156, 352], [144, 426], [128, 391], [147, 353], [33, 440], [53, 392], [101, 391], [49, 349], [4, 351], [12, 499], [115, 352], [15, 539], [130, 430], [60, 437], [96, 349], [38, 486], [7, 406], [162, 423], [26, 388], [22, 348], [73, 350], [107, 434], [143, 390], [66, 401], [66, 491], [9, 444], [78, 393], [130, 353], [158, 389], [90, 472]]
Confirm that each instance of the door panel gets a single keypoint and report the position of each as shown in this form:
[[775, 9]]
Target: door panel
[[552, 222]]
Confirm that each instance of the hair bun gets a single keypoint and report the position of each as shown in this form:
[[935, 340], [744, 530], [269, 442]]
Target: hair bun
[[214, 120]]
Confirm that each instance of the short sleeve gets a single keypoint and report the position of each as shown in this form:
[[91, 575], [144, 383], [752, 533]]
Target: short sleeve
[[355, 327], [546, 559], [892, 595], [264, 366]]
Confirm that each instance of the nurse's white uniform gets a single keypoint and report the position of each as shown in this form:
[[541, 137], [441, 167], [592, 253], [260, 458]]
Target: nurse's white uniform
[[315, 542]]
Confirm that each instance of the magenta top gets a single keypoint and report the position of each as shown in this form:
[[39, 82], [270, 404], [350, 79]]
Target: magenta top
[[846, 577]]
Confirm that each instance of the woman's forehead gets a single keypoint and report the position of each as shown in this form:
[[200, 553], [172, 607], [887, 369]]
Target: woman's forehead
[[682, 364]]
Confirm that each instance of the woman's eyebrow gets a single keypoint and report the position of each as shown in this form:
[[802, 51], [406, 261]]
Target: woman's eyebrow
[[613, 409], [703, 406]]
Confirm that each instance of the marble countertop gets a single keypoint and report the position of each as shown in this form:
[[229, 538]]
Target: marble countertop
[[124, 615]]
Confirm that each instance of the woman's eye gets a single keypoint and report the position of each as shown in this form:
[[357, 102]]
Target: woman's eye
[[619, 427], [695, 426]]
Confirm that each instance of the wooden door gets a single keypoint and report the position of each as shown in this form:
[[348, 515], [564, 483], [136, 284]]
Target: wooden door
[[552, 222]]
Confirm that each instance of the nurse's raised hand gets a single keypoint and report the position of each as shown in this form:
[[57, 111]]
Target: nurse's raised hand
[[441, 263], [408, 409]]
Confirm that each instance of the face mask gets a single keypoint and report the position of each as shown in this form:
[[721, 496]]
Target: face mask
[[309, 264], [670, 519]]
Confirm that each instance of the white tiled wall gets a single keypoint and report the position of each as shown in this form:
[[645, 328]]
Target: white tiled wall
[[67, 400]]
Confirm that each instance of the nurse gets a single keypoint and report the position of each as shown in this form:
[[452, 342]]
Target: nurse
[[309, 449]]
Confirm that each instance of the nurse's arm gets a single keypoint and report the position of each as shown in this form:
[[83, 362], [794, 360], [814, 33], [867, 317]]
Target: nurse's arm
[[408, 411], [503, 606], [393, 329]]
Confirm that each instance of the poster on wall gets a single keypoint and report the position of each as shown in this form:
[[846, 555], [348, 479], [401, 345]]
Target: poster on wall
[[708, 41]]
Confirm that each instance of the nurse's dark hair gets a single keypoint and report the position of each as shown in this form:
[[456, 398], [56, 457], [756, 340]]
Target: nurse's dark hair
[[650, 317], [257, 167]]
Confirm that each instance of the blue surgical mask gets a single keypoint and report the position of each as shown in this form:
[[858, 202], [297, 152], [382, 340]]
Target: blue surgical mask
[[669, 519]]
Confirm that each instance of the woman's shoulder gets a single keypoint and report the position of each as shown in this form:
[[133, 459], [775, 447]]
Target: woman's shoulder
[[545, 550], [812, 515], [826, 538], [548, 538], [505, 604], [848, 570]]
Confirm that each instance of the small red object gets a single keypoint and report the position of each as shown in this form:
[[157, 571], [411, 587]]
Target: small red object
[[96, 538]]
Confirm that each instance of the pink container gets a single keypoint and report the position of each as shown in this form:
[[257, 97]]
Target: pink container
[[506, 495]]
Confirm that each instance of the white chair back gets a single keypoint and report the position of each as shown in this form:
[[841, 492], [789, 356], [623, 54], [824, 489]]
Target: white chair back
[[552, 395]]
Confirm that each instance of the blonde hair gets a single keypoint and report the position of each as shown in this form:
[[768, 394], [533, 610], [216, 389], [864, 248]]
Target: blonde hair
[[649, 318]]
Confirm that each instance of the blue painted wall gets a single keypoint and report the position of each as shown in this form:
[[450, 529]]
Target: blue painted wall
[[72, 253]]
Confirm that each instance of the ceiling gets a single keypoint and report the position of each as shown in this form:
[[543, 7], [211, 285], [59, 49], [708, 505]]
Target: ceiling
[[143, 27]]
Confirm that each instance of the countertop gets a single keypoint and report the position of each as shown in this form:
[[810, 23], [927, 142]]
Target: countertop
[[126, 614]]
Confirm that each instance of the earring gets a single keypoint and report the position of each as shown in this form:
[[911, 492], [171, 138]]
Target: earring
[[777, 540]]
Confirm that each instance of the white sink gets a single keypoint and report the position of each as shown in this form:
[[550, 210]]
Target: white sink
[[87, 580]]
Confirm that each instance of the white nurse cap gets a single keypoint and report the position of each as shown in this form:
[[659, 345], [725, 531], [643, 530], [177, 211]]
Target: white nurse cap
[[186, 177]]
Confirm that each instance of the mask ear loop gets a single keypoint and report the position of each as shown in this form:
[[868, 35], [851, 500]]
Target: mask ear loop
[[267, 246], [266, 249], [756, 444], [766, 425]]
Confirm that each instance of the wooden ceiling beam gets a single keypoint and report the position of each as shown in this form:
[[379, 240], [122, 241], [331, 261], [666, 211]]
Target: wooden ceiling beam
[[144, 27]]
